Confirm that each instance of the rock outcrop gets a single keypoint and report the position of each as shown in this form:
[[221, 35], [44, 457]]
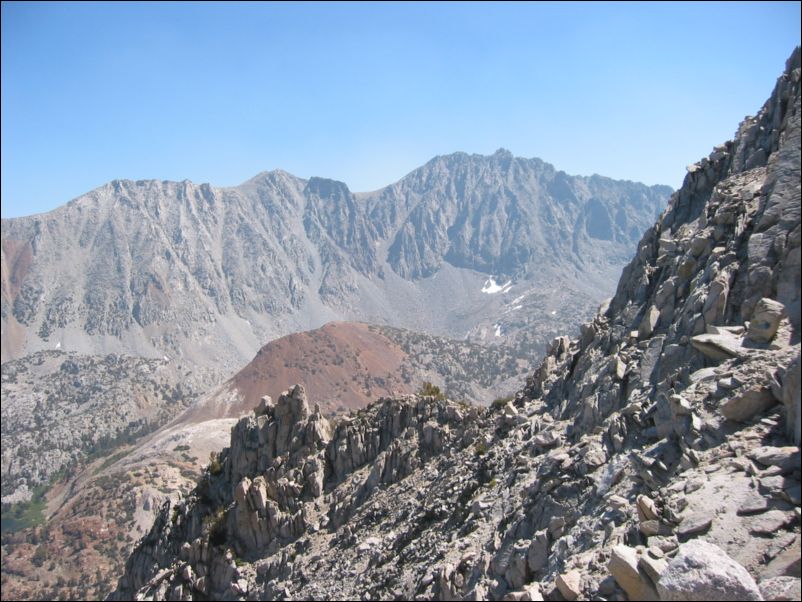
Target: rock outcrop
[[286, 463], [660, 435], [703, 571]]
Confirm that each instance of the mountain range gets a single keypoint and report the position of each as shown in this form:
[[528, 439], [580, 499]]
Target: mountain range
[[173, 306], [488, 248]]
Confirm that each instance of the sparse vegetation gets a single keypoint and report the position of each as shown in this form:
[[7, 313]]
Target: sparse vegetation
[[25, 514], [427, 389], [461, 364], [104, 387], [215, 466], [111, 460], [500, 402], [215, 525]]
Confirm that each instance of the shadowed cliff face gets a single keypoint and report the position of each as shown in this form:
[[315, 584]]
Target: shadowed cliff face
[[654, 457], [174, 268]]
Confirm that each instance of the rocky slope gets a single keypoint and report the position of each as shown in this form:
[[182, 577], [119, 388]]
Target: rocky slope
[[65, 419], [91, 516], [93, 519], [655, 457], [59, 409], [173, 269]]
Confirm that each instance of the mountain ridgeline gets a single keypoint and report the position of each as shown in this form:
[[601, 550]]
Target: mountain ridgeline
[[159, 268]]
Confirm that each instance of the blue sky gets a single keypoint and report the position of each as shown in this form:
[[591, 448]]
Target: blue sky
[[364, 93]]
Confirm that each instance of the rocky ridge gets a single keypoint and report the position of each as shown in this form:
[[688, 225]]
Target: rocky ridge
[[655, 457]]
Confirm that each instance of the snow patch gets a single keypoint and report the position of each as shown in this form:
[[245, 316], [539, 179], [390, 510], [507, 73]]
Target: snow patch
[[491, 288], [498, 329], [58, 345], [554, 312]]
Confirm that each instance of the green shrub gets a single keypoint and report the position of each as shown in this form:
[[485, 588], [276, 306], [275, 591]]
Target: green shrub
[[481, 448], [39, 556], [500, 402], [24, 515], [216, 525], [215, 465], [429, 390]]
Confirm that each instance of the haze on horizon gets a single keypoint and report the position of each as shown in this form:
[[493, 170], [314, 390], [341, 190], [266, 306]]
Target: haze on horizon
[[365, 93]]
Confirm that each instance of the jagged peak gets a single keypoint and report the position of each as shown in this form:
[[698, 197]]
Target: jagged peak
[[327, 187], [272, 174], [501, 155]]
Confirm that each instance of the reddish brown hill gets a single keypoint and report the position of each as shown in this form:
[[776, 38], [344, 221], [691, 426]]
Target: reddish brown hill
[[343, 365], [346, 365]]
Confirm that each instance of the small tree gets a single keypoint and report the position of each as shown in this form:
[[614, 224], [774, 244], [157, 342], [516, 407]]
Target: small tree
[[39, 556], [429, 390], [215, 524], [215, 466], [500, 402]]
